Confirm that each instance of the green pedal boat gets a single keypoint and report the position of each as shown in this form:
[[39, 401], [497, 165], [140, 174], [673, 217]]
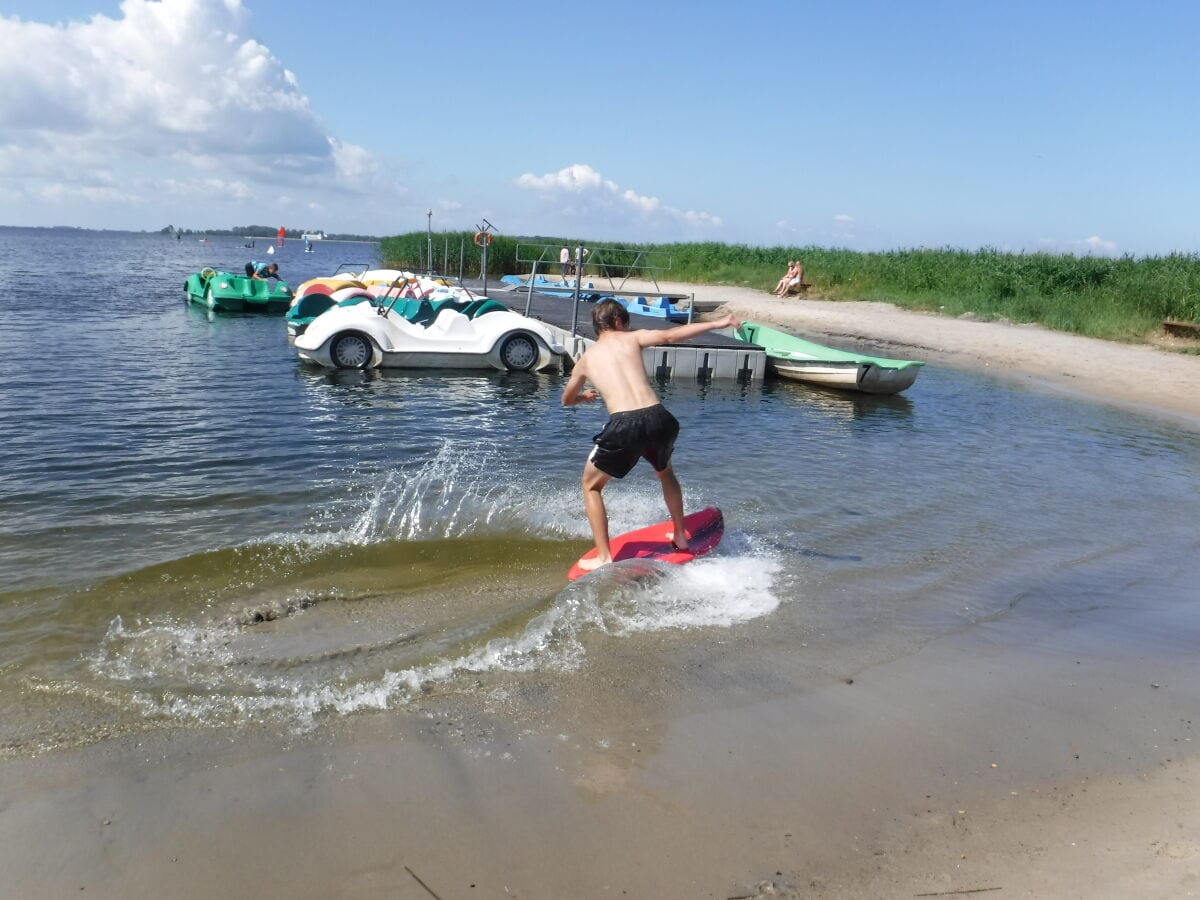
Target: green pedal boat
[[802, 360], [226, 292]]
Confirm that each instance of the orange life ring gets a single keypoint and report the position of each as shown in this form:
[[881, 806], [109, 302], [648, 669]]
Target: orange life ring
[[482, 238]]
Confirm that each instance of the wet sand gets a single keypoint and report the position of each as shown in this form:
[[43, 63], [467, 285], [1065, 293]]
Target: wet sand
[[1025, 757], [1047, 753]]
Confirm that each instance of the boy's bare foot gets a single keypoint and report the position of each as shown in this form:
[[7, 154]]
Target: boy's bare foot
[[594, 562]]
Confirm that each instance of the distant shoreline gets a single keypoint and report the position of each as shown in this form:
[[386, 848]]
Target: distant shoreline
[[187, 232]]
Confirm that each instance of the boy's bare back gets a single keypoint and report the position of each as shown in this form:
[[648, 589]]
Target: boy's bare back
[[614, 366]]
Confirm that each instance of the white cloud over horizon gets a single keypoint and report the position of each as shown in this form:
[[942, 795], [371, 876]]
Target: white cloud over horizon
[[170, 101], [579, 190], [1091, 246]]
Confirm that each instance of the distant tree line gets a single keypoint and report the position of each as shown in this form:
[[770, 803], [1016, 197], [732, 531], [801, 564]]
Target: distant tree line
[[264, 231]]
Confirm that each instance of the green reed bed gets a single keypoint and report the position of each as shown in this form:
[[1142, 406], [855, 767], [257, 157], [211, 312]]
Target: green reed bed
[[1123, 299]]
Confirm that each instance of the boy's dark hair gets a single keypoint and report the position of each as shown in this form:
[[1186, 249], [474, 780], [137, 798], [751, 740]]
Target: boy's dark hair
[[607, 314]]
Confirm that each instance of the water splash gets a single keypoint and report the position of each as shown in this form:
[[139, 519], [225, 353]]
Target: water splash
[[208, 673]]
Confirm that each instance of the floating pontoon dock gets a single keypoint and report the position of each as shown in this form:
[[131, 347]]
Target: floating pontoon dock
[[711, 355]]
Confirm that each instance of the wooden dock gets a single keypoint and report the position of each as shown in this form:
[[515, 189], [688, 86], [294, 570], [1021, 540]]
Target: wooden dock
[[711, 355]]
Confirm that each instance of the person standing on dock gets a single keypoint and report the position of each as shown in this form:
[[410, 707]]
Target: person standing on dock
[[564, 262], [639, 426]]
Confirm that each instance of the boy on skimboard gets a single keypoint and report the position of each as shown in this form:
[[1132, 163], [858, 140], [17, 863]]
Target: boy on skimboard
[[639, 426]]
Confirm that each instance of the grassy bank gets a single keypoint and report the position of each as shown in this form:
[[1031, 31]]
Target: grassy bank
[[1121, 299]]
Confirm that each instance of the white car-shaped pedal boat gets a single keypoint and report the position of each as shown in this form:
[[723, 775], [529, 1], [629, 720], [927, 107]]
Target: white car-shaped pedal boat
[[428, 334]]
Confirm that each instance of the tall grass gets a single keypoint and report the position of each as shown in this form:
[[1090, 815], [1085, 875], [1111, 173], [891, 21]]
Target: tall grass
[[1123, 299]]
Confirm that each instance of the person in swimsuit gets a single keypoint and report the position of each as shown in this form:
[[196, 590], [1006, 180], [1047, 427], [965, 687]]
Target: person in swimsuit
[[787, 276], [797, 278], [639, 426], [261, 271], [791, 278]]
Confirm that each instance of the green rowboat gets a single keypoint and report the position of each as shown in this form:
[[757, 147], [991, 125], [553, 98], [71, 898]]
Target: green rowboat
[[802, 360]]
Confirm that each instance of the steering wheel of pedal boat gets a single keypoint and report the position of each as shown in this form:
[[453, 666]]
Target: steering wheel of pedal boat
[[207, 274]]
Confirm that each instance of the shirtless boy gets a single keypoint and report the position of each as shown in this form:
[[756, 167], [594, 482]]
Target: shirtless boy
[[638, 426], [261, 271]]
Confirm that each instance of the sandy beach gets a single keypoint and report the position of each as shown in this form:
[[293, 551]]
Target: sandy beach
[[1151, 380], [1047, 752]]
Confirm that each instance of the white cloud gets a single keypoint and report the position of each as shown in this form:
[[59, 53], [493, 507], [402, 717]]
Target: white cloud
[[573, 179], [843, 228], [1097, 244], [590, 192], [1091, 246], [171, 96]]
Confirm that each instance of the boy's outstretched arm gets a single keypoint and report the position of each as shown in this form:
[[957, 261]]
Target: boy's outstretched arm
[[650, 337]]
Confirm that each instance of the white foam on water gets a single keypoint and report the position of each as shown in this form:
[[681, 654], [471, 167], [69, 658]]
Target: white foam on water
[[193, 671], [710, 592]]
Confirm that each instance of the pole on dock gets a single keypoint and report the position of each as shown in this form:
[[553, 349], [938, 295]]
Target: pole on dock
[[429, 239], [529, 288], [575, 304], [485, 268], [486, 231]]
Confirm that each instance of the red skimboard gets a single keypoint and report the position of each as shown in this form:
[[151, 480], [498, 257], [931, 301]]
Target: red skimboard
[[704, 530]]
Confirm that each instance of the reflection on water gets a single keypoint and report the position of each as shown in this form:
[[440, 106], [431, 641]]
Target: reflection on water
[[195, 527], [839, 404]]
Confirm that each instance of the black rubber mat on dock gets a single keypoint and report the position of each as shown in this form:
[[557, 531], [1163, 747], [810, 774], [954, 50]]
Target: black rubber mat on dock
[[557, 311]]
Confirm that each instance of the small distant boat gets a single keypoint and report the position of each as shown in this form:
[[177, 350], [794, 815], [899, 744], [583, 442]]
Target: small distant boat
[[313, 235], [802, 360], [227, 292]]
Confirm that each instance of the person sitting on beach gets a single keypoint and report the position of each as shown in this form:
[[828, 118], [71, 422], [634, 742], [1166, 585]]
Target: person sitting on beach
[[261, 271], [639, 426], [784, 280], [793, 277]]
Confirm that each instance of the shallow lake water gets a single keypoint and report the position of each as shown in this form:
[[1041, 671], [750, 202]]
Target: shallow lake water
[[197, 529]]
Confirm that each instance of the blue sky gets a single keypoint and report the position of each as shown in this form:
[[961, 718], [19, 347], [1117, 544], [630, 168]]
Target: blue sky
[[1064, 126]]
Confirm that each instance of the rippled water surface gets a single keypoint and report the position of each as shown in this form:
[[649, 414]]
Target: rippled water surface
[[197, 529]]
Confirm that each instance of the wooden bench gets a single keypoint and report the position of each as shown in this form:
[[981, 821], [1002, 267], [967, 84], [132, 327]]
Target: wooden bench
[[798, 289], [1182, 329]]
